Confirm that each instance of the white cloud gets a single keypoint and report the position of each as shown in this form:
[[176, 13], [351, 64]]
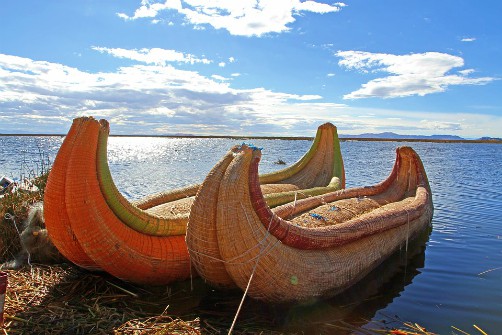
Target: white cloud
[[231, 59], [371, 120], [218, 77], [155, 56], [222, 64], [441, 126], [468, 39], [150, 99], [317, 7], [245, 18], [330, 75], [161, 111], [413, 74], [123, 16], [466, 72], [151, 10], [137, 98]]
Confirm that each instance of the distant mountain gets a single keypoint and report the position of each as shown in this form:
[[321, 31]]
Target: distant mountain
[[495, 139], [377, 136], [390, 135], [183, 135]]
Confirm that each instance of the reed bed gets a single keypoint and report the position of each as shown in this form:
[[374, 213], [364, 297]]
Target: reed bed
[[14, 205], [393, 325], [14, 208], [62, 299]]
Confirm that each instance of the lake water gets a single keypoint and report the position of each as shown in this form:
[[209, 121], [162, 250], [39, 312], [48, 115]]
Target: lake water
[[452, 278]]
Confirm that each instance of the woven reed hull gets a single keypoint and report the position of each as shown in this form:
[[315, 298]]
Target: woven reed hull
[[321, 165], [55, 213], [56, 195], [96, 228], [115, 247], [293, 263], [317, 167], [372, 293]]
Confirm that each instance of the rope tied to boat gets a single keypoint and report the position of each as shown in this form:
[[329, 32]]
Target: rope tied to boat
[[12, 218], [267, 248], [260, 254]]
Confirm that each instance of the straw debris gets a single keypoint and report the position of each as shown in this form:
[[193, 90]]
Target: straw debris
[[65, 300]]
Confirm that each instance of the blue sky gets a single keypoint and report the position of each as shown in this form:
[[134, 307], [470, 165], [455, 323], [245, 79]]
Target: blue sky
[[252, 67]]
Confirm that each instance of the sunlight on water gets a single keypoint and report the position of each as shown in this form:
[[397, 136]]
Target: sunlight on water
[[142, 166], [123, 149], [25, 156], [456, 280]]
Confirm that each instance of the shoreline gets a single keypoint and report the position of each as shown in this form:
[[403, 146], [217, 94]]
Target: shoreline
[[288, 138]]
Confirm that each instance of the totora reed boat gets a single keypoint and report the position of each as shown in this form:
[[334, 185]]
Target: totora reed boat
[[310, 248], [143, 242]]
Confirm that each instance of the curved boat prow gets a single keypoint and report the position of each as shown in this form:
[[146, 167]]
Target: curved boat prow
[[319, 171], [315, 247], [55, 212], [118, 237], [97, 228], [317, 167]]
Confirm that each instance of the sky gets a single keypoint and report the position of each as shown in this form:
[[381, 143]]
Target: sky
[[252, 67]]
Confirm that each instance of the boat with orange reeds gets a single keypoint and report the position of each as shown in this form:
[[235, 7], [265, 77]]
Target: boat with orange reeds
[[97, 228], [310, 248]]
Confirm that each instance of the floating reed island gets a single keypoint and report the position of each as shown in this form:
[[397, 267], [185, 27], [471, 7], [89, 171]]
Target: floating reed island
[[96, 228], [308, 248]]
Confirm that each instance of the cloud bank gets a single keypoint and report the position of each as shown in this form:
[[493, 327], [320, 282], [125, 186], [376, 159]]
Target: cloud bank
[[414, 74], [155, 56], [243, 18], [44, 97], [145, 99]]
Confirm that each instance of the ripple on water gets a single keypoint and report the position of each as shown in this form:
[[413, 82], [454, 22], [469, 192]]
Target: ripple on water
[[459, 277]]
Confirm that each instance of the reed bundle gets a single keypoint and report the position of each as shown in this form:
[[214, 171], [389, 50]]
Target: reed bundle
[[314, 247], [96, 228]]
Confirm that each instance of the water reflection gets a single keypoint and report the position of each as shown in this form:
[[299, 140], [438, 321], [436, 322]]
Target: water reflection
[[354, 306], [466, 240]]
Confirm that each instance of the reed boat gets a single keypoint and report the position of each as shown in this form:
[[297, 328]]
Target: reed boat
[[310, 248], [94, 226]]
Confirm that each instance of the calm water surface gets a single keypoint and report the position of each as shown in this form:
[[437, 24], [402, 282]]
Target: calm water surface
[[453, 277]]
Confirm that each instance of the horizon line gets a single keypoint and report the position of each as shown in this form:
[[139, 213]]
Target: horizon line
[[342, 138]]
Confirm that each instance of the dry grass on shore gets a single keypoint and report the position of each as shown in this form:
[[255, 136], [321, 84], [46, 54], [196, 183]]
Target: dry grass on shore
[[14, 208], [65, 300], [62, 299]]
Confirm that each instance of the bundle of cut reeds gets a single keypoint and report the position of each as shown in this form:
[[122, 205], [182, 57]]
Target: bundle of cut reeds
[[95, 227], [314, 247]]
